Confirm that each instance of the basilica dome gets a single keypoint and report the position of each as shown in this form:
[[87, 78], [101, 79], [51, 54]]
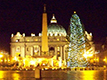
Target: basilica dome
[[55, 29]]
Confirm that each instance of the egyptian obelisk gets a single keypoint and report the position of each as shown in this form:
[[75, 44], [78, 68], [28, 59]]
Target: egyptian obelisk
[[44, 33]]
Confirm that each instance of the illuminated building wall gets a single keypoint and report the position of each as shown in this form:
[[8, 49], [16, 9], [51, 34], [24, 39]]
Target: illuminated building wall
[[23, 46]]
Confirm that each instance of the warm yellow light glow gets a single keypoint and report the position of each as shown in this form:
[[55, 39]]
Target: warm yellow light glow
[[1, 60], [53, 20], [74, 12], [96, 59], [91, 61], [18, 34], [14, 76], [2, 74], [15, 58], [5, 60], [27, 40], [42, 69], [88, 75], [104, 66], [46, 68], [57, 39], [52, 68], [105, 60], [18, 53], [8, 60], [36, 39], [32, 34], [60, 62], [39, 60], [88, 55], [32, 62], [1, 56]]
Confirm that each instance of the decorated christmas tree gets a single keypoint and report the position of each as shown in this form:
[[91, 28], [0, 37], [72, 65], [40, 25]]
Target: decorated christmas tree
[[77, 41]]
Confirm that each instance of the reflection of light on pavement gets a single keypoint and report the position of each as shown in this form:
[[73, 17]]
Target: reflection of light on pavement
[[1, 74], [88, 75], [104, 75], [16, 76]]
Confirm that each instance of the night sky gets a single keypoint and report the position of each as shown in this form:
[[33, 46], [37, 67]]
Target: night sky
[[25, 16]]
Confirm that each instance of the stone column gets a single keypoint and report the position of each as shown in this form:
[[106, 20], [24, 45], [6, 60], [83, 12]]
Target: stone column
[[22, 51], [61, 51], [12, 51], [52, 62], [64, 56], [25, 50], [39, 50], [31, 51], [56, 52], [61, 56]]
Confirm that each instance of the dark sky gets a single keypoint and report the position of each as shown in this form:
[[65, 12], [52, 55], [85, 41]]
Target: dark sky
[[25, 16]]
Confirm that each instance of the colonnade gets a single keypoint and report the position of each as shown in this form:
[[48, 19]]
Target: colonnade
[[31, 51]]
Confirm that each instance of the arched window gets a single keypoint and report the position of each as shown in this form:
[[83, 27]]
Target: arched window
[[51, 48]]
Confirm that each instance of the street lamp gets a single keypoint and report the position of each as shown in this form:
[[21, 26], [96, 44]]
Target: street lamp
[[1, 56], [96, 61], [105, 61]]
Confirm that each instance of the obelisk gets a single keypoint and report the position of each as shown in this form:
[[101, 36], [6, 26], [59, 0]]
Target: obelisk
[[44, 33]]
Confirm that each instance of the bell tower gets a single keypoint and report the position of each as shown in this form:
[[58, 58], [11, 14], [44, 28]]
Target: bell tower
[[44, 33]]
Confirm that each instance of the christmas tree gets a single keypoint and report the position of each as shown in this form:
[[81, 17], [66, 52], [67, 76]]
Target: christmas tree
[[77, 43]]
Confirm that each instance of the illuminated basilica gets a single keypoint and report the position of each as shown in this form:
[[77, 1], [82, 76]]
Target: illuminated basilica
[[50, 44]]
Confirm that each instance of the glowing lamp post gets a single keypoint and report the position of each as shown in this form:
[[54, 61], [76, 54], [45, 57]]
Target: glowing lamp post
[[105, 61], [1, 56], [96, 60]]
